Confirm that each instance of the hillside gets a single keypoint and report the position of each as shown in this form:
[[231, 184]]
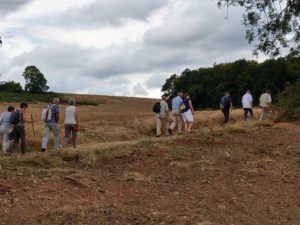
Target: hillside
[[243, 173]]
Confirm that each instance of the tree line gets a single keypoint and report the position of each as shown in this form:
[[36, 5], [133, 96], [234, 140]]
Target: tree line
[[207, 85], [35, 82]]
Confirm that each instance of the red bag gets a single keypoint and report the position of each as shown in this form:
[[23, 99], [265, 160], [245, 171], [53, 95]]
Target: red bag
[[76, 127]]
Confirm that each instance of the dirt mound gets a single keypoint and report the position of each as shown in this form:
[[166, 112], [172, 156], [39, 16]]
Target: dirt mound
[[288, 126]]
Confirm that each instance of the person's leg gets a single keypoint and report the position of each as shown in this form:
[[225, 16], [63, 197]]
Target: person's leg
[[179, 122], [251, 113], [263, 113], [74, 138], [67, 134], [165, 126], [245, 113], [226, 115], [158, 126], [23, 139], [190, 124], [190, 120], [174, 120], [54, 127], [15, 142], [45, 136], [5, 145]]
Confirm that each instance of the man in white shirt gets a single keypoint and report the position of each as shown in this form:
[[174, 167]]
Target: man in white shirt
[[247, 102], [265, 104]]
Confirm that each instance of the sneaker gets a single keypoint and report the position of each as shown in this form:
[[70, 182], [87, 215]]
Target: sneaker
[[157, 136], [179, 133], [60, 147], [43, 149], [170, 131]]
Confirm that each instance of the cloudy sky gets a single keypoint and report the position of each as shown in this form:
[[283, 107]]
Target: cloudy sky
[[116, 47]]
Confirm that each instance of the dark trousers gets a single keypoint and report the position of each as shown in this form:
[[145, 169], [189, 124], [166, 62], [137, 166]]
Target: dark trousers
[[70, 130], [19, 133], [226, 114], [246, 112]]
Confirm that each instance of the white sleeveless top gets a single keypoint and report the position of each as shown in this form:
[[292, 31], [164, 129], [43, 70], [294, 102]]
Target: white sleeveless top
[[70, 115]]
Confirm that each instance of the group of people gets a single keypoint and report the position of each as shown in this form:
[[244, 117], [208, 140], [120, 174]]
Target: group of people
[[265, 101], [182, 110], [12, 126]]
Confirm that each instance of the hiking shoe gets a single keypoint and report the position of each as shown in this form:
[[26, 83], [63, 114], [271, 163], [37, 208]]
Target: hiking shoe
[[170, 131], [158, 136], [179, 133], [43, 149]]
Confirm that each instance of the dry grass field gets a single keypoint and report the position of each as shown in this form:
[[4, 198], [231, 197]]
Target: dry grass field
[[114, 119], [244, 173]]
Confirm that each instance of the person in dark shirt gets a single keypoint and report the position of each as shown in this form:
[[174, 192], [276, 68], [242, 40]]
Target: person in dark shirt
[[19, 130], [226, 106]]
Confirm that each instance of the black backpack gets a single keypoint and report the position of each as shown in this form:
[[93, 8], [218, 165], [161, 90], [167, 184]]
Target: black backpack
[[15, 118], [156, 107]]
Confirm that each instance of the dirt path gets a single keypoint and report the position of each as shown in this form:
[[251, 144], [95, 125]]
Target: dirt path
[[250, 177]]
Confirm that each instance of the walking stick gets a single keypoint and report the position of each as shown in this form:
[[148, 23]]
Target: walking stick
[[33, 133]]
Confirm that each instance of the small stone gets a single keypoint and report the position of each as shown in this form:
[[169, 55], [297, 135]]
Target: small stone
[[221, 206]]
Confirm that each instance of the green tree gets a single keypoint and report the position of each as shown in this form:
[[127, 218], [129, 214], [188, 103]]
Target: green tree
[[10, 86], [272, 24], [35, 80]]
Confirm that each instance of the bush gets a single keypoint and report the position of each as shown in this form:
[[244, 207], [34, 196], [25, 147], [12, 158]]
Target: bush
[[10, 86], [289, 102]]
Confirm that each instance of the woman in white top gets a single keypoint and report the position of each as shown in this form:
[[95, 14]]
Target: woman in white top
[[71, 123]]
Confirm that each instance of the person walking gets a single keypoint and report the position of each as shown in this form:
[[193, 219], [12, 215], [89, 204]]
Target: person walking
[[51, 124], [162, 117], [187, 113], [247, 102], [265, 101], [176, 115], [6, 128], [18, 119], [226, 106], [71, 123]]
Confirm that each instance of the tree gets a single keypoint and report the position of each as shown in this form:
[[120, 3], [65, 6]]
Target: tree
[[35, 80], [274, 24]]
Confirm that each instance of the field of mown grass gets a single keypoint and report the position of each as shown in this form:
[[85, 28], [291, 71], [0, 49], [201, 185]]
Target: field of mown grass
[[110, 119]]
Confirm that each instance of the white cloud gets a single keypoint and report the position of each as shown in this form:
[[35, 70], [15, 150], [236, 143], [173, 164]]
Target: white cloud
[[120, 47]]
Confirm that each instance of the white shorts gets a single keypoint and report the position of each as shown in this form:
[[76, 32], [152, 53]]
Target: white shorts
[[187, 116]]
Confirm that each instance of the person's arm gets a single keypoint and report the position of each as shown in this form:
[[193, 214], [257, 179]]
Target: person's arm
[[191, 106], [57, 117], [24, 117], [76, 117]]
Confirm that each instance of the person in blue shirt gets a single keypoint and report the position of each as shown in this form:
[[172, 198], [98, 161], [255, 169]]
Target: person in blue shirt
[[176, 115], [226, 106], [6, 128], [52, 125]]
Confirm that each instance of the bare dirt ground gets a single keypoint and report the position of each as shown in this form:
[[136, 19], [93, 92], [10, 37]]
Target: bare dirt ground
[[242, 177], [240, 174]]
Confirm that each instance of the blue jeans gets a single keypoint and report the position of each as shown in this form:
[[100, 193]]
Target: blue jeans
[[48, 128], [248, 113]]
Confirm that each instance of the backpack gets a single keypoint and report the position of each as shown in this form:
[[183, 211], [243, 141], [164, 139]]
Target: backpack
[[156, 107], [15, 118], [47, 113]]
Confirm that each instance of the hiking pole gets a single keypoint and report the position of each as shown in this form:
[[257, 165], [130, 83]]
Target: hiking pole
[[33, 133]]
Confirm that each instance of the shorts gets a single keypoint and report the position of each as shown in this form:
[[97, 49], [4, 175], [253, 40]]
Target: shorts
[[187, 116]]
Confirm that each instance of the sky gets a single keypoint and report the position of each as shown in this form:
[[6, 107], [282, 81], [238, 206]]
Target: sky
[[116, 47]]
